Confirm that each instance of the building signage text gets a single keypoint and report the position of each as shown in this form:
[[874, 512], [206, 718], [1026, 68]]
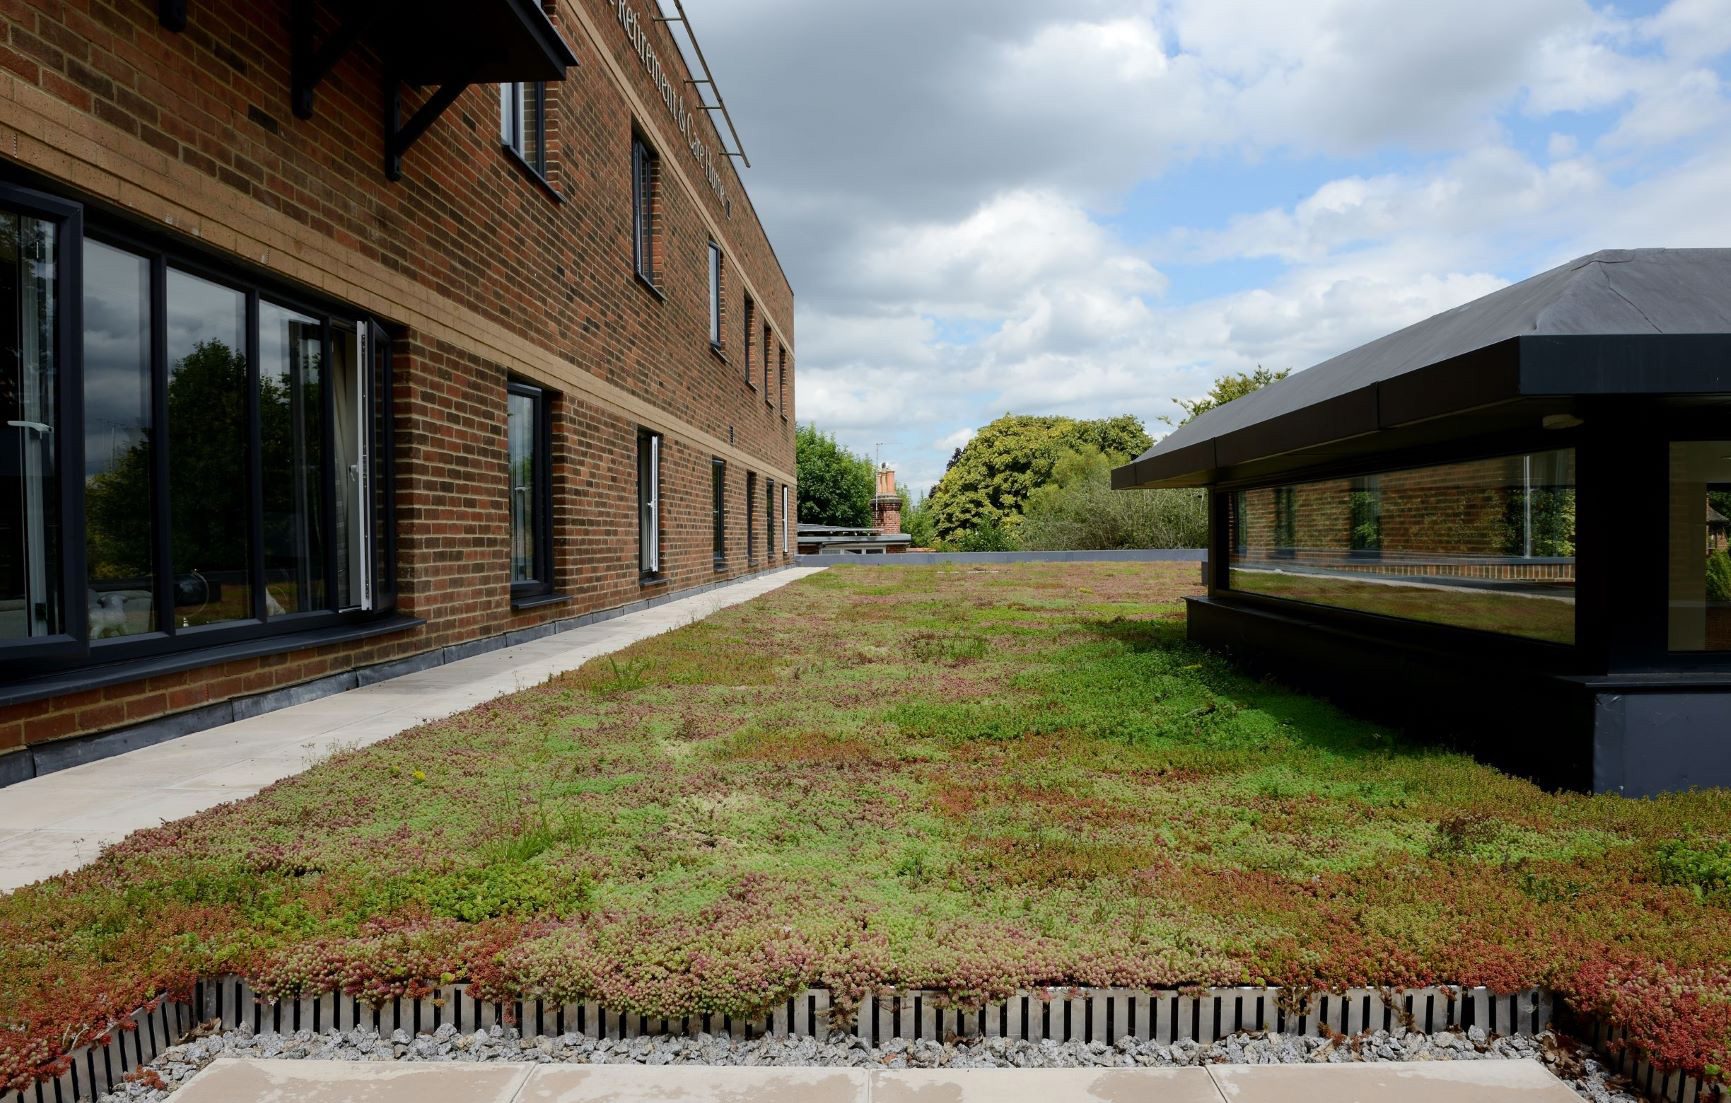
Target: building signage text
[[668, 85]]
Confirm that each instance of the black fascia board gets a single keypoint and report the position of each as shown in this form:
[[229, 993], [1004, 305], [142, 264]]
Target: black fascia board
[[1629, 364]]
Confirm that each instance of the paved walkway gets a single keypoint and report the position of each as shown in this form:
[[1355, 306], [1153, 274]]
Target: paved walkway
[[61, 820], [278, 1081]]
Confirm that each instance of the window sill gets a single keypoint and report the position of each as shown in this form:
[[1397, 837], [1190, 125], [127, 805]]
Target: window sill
[[536, 601], [719, 354], [132, 670], [721, 564], [649, 285], [532, 173], [647, 579]]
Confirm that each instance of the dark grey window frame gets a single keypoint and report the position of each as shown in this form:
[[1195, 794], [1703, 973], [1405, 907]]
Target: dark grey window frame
[[511, 136], [542, 584], [751, 518], [74, 649], [643, 228], [768, 519], [718, 510], [716, 261], [649, 447], [749, 310]]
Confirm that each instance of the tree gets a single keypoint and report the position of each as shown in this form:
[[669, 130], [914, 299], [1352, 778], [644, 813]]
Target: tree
[[1079, 509], [917, 518], [1005, 461], [835, 485], [1225, 389]]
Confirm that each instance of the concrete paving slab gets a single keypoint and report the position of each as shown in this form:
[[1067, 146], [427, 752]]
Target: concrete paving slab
[[1393, 1082], [1187, 1085], [230, 1080], [694, 1084], [62, 820]]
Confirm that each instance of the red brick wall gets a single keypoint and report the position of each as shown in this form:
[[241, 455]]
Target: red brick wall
[[483, 273]]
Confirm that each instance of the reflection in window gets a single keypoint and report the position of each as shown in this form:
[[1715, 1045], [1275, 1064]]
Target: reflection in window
[[1700, 546], [117, 442], [30, 583], [208, 497], [523, 122], [1484, 544], [522, 421], [291, 438]]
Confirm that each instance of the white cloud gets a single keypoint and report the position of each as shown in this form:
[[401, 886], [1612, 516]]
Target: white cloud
[[942, 182]]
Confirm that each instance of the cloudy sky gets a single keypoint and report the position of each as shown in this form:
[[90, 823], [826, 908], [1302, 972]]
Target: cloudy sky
[[991, 206]]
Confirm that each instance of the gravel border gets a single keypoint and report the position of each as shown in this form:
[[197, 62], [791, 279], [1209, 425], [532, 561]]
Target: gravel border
[[1574, 1064]]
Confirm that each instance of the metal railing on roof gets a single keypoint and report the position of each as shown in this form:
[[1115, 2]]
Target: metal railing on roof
[[708, 78]]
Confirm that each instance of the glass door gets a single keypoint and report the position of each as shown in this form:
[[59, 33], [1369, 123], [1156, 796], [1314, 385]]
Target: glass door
[[34, 422]]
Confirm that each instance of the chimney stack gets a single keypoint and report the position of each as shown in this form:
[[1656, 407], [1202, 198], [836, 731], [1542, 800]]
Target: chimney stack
[[887, 506]]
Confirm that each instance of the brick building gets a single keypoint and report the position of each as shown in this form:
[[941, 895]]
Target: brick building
[[348, 344]]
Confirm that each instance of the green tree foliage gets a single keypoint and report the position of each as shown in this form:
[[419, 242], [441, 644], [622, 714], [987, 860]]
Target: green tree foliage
[[1225, 389], [917, 519], [835, 485], [1079, 509], [992, 477]]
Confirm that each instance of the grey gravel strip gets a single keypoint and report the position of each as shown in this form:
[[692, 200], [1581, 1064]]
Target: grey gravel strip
[[1577, 1067]]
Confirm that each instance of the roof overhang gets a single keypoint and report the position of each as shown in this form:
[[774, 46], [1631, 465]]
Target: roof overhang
[[1501, 387], [485, 41]]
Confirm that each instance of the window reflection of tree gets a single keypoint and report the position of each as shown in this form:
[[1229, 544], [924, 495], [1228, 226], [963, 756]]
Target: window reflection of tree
[[207, 480]]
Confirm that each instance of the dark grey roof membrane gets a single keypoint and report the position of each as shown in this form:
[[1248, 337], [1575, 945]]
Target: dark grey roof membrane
[[1613, 291]]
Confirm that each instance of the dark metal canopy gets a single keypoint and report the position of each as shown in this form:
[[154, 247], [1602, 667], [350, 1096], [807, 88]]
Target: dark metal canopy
[[1617, 322], [445, 44]]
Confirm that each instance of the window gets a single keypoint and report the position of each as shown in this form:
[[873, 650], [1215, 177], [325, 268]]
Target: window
[[769, 518], [781, 385], [528, 440], [645, 178], [35, 554], [715, 294], [750, 517], [1699, 617], [784, 519], [749, 344], [768, 339], [256, 524], [1484, 544], [649, 502], [718, 509], [523, 122]]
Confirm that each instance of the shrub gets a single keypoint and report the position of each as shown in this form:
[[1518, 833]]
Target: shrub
[[1719, 576]]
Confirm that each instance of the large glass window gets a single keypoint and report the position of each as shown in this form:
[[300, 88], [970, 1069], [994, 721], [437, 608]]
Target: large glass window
[[1700, 546], [523, 122], [527, 438], [217, 491], [118, 454], [649, 502], [31, 587], [784, 521], [209, 493], [1484, 544]]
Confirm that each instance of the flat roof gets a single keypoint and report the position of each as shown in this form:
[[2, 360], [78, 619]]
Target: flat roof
[[1619, 321]]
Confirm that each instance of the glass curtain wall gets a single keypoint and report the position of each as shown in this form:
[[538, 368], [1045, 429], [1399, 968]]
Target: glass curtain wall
[[1482, 544], [1699, 614]]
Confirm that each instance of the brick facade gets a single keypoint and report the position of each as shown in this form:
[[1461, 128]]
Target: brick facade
[[481, 273]]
